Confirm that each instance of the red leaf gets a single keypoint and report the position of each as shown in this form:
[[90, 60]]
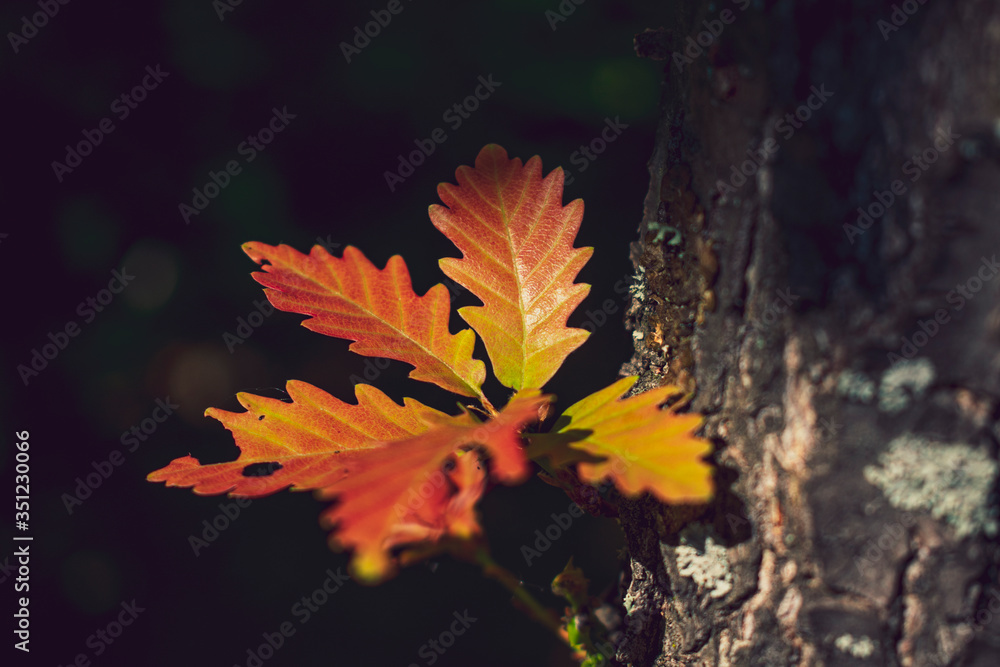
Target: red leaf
[[312, 438], [375, 457], [350, 298], [399, 495]]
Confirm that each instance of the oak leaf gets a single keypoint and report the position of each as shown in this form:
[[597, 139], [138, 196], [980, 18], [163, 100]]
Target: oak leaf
[[640, 446], [302, 444], [405, 479], [375, 458], [397, 497], [518, 258], [349, 297]]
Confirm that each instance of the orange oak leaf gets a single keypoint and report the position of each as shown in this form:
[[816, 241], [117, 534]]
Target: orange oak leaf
[[640, 446], [399, 496], [348, 297], [518, 258], [305, 444], [375, 457]]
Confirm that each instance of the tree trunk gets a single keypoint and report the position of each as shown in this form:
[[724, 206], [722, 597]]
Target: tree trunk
[[846, 360]]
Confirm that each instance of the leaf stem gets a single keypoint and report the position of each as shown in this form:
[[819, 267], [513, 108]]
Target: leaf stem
[[486, 404], [535, 609]]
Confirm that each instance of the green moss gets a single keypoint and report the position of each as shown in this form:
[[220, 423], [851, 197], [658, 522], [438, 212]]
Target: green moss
[[952, 481], [661, 233]]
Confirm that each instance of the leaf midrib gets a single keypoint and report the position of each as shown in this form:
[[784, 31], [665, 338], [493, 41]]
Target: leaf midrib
[[364, 309]]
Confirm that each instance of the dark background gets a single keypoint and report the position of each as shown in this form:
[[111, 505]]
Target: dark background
[[322, 177]]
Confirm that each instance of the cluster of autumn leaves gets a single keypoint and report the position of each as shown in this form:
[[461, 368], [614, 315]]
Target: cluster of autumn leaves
[[407, 477]]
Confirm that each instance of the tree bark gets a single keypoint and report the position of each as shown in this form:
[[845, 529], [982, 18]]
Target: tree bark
[[847, 365]]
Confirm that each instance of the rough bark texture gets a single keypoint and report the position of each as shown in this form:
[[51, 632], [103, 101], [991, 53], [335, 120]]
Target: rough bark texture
[[855, 522]]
